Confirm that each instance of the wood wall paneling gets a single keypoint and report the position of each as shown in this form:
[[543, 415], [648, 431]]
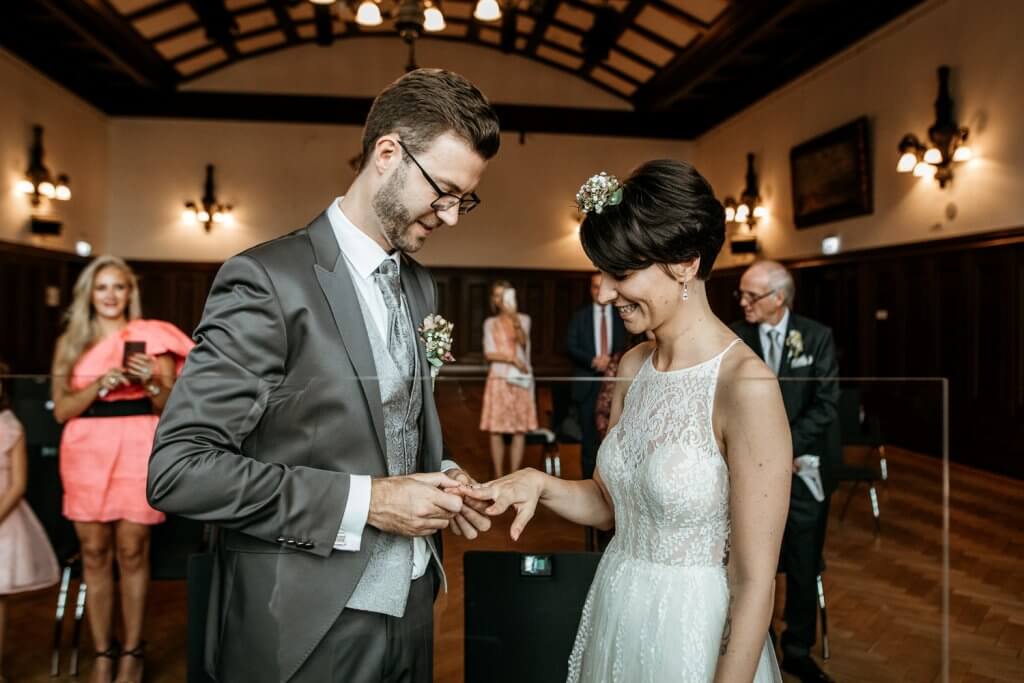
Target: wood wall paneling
[[952, 309]]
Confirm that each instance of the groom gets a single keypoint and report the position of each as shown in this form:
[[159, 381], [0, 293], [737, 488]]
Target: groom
[[304, 424]]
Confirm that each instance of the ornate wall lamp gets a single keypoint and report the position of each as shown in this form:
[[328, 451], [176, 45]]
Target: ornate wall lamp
[[947, 141], [746, 213], [38, 183], [209, 211]]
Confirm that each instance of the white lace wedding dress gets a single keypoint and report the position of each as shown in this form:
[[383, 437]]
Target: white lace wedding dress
[[657, 608]]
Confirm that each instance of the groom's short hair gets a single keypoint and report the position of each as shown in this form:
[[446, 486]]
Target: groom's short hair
[[427, 103]]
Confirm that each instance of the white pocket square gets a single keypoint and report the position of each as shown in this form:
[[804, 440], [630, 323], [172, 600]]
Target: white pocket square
[[801, 361]]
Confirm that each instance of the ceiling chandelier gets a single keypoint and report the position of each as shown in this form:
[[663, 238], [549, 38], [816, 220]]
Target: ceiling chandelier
[[412, 17]]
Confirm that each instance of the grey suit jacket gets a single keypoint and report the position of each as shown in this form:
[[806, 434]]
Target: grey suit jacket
[[277, 405]]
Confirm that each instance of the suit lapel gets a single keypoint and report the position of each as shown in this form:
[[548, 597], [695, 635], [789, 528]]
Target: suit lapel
[[752, 336], [413, 287], [336, 282]]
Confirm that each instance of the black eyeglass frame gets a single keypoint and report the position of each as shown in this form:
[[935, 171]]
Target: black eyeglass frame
[[466, 203], [738, 294]]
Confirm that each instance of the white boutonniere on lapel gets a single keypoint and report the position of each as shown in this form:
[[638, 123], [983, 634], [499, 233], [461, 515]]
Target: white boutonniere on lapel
[[795, 346], [436, 333]]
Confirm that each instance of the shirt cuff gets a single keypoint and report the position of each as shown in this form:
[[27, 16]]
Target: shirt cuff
[[357, 509], [449, 465]]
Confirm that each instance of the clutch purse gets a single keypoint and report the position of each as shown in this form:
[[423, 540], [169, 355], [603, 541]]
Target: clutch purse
[[518, 378]]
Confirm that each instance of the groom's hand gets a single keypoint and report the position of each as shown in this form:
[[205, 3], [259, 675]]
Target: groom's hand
[[414, 505], [471, 521]]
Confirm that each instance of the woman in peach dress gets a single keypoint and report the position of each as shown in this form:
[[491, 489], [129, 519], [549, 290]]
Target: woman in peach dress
[[27, 562], [112, 375], [508, 405]]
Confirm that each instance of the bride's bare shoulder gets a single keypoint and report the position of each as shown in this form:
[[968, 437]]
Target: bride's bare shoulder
[[633, 359], [744, 374]]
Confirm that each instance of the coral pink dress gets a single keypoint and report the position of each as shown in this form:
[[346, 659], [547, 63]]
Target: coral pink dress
[[104, 460], [507, 408], [27, 561]]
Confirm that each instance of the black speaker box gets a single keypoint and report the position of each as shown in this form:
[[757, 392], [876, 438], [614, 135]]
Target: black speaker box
[[522, 612]]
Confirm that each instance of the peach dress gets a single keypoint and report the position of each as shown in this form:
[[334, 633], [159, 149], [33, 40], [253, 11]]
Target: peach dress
[[104, 460], [27, 561], [507, 408]]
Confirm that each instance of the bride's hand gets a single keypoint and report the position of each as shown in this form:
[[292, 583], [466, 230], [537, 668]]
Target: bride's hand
[[521, 490]]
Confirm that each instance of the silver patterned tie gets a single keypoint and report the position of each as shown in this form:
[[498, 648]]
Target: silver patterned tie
[[400, 342], [774, 350]]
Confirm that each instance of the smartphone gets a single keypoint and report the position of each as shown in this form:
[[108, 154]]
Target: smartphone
[[508, 299], [130, 349]]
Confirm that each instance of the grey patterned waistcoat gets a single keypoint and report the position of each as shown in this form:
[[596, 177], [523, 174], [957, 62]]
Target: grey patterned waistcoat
[[384, 586]]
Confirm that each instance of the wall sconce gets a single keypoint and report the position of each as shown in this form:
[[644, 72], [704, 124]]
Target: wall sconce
[[38, 182], [209, 211], [746, 213], [948, 141]]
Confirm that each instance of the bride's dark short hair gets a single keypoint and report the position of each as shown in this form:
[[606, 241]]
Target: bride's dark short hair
[[668, 214]]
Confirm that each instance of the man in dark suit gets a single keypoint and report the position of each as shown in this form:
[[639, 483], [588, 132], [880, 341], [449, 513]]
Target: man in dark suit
[[798, 349], [304, 424], [596, 333]]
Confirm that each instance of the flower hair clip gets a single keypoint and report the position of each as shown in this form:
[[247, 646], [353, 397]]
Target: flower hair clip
[[599, 191]]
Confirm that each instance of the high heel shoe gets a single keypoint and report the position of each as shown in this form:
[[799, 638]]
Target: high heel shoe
[[138, 653], [111, 653]]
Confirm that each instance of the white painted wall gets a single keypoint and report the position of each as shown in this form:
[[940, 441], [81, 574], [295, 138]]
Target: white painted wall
[[75, 142], [891, 78]]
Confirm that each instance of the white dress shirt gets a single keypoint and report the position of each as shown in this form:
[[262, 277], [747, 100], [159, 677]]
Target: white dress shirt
[[605, 311], [764, 329], [363, 257]]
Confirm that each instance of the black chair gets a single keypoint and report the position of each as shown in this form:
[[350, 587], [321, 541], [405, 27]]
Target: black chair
[[522, 612], [860, 429]]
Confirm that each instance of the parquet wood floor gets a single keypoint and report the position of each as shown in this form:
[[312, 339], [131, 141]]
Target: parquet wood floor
[[884, 593]]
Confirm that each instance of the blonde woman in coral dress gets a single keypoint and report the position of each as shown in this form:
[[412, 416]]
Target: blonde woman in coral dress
[[509, 406], [108, 392]]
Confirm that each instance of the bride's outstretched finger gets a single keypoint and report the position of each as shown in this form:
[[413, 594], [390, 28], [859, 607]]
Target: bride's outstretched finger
[[524, 513]]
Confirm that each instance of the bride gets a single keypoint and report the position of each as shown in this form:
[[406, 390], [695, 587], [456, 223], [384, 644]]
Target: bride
[[695, 471]]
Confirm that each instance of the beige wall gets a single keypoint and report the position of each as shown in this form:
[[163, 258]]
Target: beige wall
[[280, 176], [363, 66], [891, 78], [74, 141]]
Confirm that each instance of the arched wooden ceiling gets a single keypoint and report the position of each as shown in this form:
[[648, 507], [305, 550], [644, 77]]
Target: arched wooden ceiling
[[684, 65]]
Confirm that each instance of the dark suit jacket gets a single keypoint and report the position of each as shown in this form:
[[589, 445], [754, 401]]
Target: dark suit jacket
[[276, 406], [812, 406], [582, 350]]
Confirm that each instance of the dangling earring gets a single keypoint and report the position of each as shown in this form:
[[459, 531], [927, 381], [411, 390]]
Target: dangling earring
[[686, 294]]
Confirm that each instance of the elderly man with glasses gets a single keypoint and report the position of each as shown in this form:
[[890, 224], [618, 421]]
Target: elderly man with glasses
[[799, 351]]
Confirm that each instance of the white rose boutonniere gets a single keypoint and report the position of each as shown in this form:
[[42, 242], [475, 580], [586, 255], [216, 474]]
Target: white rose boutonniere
[[436, 333], [795, 344]]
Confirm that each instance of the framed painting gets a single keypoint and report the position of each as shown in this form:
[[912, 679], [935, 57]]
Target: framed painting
[[832, 176]]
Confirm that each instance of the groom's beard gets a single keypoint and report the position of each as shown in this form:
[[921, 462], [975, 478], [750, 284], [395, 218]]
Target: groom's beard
[[395, 219]]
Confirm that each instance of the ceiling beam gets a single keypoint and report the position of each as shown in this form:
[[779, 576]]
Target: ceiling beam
[[352, 111], [324, 22], [740, 25], [284, 19], [219, 23], [107, 33], [608, 27], [541, 25], [682, 15]]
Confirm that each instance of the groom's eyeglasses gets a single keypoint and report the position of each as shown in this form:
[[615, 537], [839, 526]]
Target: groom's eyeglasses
[[751, 298], [445, 200]]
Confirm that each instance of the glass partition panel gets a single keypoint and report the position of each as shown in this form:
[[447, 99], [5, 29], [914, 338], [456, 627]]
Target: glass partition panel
[[253, 474]]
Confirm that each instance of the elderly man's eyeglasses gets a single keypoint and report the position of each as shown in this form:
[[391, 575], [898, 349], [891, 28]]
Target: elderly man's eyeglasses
[[750, 298], [445, 200]]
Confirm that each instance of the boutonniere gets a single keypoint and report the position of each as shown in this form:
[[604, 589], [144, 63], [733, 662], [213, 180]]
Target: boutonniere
[[795, 344], [436, 333]]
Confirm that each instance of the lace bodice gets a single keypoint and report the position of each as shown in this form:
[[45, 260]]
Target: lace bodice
[[664, 471]]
